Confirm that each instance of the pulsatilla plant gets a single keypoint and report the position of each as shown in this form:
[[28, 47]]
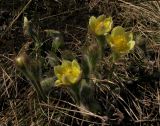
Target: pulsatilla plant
[[120, 41], [71, 74]]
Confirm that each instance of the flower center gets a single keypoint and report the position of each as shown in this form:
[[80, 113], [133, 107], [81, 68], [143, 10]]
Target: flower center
[[120, 43]]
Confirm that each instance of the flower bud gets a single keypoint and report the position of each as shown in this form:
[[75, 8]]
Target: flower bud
[[21, 61], [26, 26]]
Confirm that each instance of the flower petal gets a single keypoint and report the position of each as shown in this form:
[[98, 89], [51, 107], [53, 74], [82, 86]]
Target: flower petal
[[129, 36], [108, 24], [58, 71], [103, 25], [75, 65], [118, 31], [101, 18], [72, 79], [58, 83], [109, 40], [66, 65], [131, 45], [65, 79]]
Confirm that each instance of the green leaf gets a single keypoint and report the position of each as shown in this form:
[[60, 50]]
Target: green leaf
[[56, 43], [52, 59], [57, 39]]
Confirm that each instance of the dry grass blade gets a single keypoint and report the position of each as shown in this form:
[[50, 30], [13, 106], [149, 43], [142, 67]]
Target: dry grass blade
[[128, 90], [15, 19]]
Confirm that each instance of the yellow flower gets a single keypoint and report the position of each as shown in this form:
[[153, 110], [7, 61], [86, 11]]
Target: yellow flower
[[120, 41], [100, 25], [67, 73]]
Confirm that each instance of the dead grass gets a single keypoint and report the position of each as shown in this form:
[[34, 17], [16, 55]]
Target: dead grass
[[136, 98]]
